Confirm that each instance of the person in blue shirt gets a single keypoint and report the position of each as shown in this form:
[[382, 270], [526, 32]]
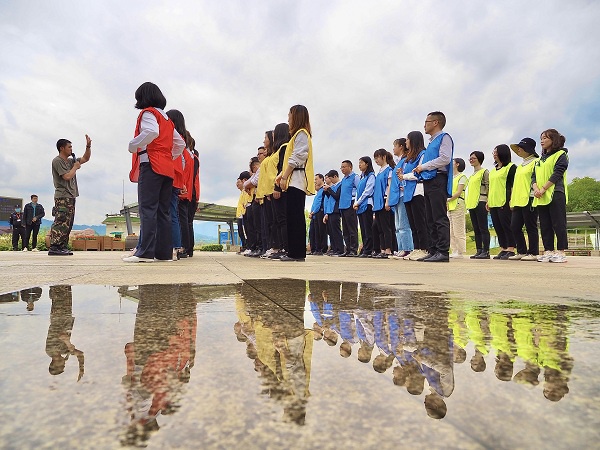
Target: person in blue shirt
[[317, 231], [363, 205], [348, 187], [403, 231], [331, 206], [383, 229]]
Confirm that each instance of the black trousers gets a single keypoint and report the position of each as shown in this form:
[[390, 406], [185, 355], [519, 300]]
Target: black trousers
[[18, 232], [336, 238], [320, 232], [553, 222], [366, 230], [501, 218], [184, 227], [436, 211], [393, 223], [257, 217], [312, 234], [241, 231], [266, 223], [154, 198], [192, 207], [34, 229], [280, 221], [296, 223], [384, 229], [415, 210], [350, 229], [528, 216], [251, 234], [479, 219]]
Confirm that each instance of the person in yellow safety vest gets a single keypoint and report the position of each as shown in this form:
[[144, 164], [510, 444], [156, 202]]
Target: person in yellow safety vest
[[501, 183], [476, 199], [549, 181], [457, 210], [521, 203]]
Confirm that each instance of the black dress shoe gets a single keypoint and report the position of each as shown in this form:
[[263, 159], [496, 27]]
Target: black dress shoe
[[286, 258], [507, 255], [479, 251], [350, 255], [363, 255], [500, 255], [58, 252], [483, 255], [438, 257]]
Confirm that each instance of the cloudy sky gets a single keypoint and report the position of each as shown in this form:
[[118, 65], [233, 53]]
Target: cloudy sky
[[368, 72]]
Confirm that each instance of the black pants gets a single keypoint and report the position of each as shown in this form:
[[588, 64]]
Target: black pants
[[296, 223], [266, 223], [184, 227], [192, 207], [366, 230], [528, 216], [384, 229], [18, 232], [280, 221], [436, 211], [320, 232], [257, 217], [393, 223], [350, 229], [312, 234], [415, 210], [154, 198], [241, 232], [501, 218], [479, 219], [251, 234], [34, 229], [553, 222], [334, 230]]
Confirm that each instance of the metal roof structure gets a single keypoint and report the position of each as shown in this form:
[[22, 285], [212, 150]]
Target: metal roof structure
[[209, 212]]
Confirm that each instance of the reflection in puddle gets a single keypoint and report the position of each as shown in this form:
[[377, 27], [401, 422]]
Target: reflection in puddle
[[303, 346]]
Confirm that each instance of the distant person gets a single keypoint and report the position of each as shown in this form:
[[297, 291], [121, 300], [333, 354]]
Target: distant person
[[477, 196], [65, 192], [153, 148], [193, 205], [363, 204], [33, 214], [17, 223], [457, 210]]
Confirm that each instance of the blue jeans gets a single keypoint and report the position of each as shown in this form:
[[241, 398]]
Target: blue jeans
[[175, 230], [403, 231]]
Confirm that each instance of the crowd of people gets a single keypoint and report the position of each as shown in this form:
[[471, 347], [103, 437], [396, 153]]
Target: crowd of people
[[25, 225], [410, 204]]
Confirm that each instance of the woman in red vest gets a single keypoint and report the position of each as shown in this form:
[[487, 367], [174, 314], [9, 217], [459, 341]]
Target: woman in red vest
[[153, 148]]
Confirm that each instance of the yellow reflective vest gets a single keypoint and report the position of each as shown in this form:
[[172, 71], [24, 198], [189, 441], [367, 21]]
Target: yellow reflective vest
[[455, 182], [497, 195], [474, 190], [543, 171], [521, 190], [308, 166]]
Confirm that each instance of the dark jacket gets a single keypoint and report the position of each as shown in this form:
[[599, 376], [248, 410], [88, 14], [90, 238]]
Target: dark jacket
[[16, 220], [28, 213]]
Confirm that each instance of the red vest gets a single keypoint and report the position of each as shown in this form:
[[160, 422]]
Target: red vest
[[188, 175], [159, 150], [178, 181]]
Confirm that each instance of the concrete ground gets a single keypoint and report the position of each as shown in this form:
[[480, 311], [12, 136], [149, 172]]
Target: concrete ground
[[576, 280]]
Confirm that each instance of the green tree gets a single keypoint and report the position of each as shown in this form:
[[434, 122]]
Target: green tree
[[584, 195]]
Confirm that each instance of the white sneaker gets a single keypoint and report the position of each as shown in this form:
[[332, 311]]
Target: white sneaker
[[137, 259], [417, 254], [558, 258], [516, 257], [546, 256], [25, 249], [456, 255], [407, 257], [35, 250], [529, 257], [247, 252]]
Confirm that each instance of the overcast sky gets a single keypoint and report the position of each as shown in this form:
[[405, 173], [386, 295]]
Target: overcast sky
[[368, 72]]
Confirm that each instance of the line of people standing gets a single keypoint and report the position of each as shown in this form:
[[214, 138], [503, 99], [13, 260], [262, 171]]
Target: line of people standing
[[26, 225], [165, 165]]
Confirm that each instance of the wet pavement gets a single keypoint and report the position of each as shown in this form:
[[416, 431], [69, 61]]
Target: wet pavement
[[283, 363]]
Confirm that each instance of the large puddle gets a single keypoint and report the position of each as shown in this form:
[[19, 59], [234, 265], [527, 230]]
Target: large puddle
[[294, 364]]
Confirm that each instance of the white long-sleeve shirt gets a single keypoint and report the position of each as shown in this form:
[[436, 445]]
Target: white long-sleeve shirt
[[298, 160], [149, 131]]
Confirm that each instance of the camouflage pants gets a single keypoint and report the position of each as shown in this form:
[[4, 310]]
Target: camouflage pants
[[64, 213]]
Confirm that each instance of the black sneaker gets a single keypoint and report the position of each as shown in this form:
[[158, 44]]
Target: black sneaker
[[500, 255]]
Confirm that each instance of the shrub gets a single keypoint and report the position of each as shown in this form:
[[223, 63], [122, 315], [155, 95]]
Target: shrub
[[211, 248]]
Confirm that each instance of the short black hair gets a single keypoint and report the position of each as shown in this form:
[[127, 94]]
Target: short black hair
[[245, 175], [479, 155], [503, 152], [33, 195], [347, 161], [440, 117], [332, 173], [149, 95], [320, 175], [461, 164], [62, 143]]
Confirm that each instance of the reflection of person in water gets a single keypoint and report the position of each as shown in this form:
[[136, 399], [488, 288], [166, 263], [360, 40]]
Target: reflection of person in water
[[31, 295], [160, 358], [284, 345], [58, 342]]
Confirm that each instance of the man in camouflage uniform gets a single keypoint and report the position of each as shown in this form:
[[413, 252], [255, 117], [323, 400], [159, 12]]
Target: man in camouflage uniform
[[65, 192]]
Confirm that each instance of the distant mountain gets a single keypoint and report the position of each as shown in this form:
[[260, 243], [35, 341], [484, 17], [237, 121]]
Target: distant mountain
[[98, 229]]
